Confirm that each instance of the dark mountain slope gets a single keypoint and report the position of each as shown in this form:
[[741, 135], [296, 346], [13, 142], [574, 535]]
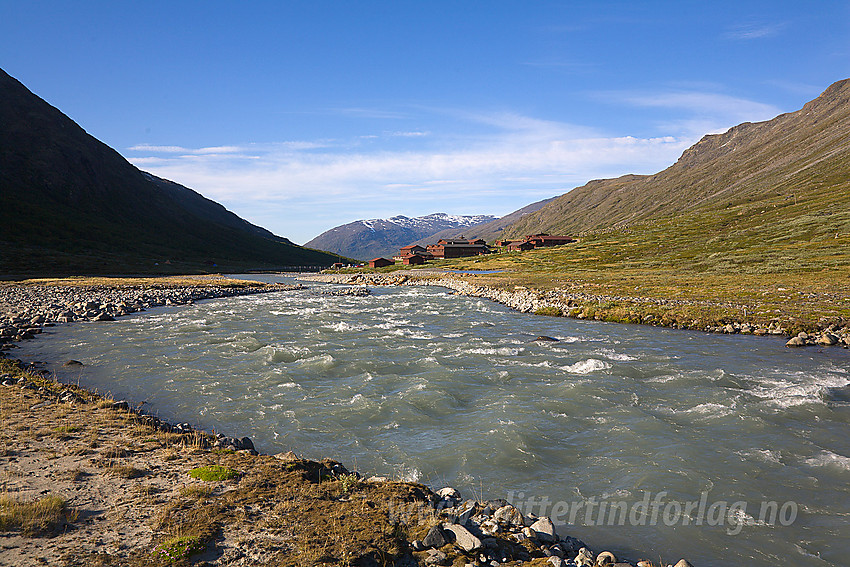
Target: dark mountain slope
[[783, 158], [71, 204]]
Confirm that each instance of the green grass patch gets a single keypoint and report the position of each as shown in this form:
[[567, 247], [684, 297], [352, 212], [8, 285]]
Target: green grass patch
[[179, 548], [549, 311], [213, 473]]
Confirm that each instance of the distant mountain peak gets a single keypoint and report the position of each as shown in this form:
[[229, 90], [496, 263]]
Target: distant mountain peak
[[370, 238]]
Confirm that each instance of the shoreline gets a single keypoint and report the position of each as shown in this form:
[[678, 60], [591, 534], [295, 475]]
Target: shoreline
[[431, 528], [559, 303]]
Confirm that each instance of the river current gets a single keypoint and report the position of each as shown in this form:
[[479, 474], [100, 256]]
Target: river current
[[653, 443]]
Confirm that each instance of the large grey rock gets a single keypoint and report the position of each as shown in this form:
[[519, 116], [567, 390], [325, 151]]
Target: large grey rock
[[545, 530], [796, 342], [571, 544], [683, 563], [508, 515], [557, 562], [461, 514], [584, 558], [449, 492], [605, 558], [435, 538], [436, 557], [827, 339], [463, 538]]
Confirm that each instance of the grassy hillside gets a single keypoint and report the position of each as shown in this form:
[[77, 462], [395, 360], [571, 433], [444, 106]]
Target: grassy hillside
[[751, 224], [776, 162]]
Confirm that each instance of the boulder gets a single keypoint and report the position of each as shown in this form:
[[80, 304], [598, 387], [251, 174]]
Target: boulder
[[605, 558], [463, 537], [796, 342], [827, 339], [435, 538], [489, 527], [571, 544], [545, 530], [508, 515], [465, 511], [683, 563], [584, 558], [436, 557]]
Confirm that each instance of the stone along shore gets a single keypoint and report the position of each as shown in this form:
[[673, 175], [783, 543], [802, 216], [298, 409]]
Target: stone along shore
[[26, 309], [137, 490], [585, 306]]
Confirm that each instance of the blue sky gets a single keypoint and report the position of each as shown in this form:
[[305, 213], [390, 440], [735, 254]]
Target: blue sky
[[301, 116]]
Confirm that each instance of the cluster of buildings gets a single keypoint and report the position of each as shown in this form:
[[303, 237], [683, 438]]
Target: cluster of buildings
[[415, 255], [533, 241]]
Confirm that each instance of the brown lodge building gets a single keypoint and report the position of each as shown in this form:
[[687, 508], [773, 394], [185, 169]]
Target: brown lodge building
[[416, 255], [457, 248], [531, 241]]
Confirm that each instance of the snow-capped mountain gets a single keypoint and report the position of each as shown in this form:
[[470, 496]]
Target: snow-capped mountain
[[367, 239]]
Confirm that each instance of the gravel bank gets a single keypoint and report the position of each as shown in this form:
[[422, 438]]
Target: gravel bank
[[26, 309], [586, 306]]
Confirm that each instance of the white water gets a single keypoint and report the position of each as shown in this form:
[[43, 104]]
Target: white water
[[419, 384]]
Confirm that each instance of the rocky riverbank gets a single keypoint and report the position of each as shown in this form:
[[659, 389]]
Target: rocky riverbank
[[26, 309], [620, 309], [94, 481], [126, 488]]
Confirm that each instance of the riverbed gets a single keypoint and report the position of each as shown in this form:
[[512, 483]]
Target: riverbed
[[725, 449]]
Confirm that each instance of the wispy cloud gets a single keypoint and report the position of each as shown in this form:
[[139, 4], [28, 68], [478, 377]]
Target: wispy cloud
[[490, 162], [413, 134], [694, 113], [374, 113], [182, 150], [750, 31], [521, 160]]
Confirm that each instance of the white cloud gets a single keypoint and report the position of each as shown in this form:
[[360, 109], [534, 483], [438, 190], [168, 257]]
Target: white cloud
[[182, 150], [750, 31], [704, 112], [414, 134], [525, 159], [301, 188]]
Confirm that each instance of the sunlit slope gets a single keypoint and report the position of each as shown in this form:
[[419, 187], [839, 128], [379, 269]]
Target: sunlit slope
[[793, 170]]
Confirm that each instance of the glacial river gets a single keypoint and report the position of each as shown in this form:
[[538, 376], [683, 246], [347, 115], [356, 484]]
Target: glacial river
[[726, 450]]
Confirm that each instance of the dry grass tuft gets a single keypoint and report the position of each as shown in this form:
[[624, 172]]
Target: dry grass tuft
[[125, 471], [41, 517]]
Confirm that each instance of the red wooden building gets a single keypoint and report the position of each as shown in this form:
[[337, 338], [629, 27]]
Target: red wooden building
[[413, 260], [380, 263], [542, 240], [457, 248]]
